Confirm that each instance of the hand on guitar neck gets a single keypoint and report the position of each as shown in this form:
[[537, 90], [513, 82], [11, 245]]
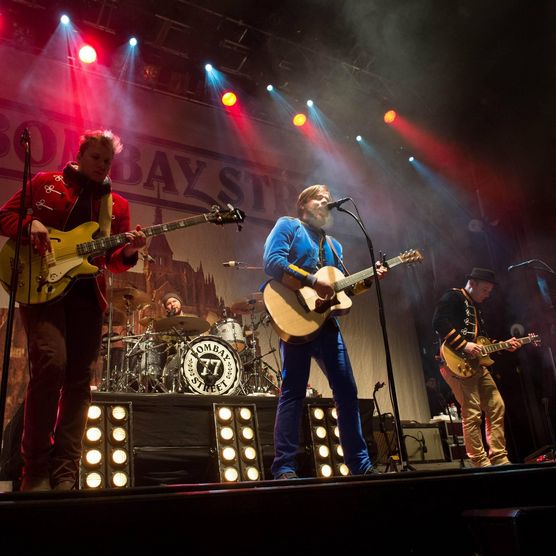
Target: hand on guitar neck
[[477, 350]]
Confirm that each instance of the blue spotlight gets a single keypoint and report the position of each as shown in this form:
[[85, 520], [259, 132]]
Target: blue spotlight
[[64, 20], [133, 41], [411, 158], [359, 138], [269, 88], [208, 67], [310, 103]]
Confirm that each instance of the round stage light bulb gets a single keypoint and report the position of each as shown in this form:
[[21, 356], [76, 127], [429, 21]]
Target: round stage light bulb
[[93, 434], [359, 138], [247, 433], [334, 413], [93, 457], [64, 20], [94, 412], [253, 474], [339, 451], [390, 116], [119, 479], [299, 120], [245, 414], [231, 474], [318, 414], [269, 88], [119, 434], [228, 453], [310, 103], [249, 453], [344, 471], [224, 414], [326, 470], [133, 41], [226, 433], [320, 432], [93, 480], [87, 54], [229, 99], [323, 451], [336, 432], [411, 158], [119, 457], [208, 67], [119, 413]]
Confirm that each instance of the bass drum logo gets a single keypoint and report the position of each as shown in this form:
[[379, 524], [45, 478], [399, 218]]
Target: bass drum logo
[[211, 366]]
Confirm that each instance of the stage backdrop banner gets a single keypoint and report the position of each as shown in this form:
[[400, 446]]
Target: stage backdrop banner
[[180, 159]]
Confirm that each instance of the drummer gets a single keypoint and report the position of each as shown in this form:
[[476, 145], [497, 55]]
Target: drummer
[[173, 304]]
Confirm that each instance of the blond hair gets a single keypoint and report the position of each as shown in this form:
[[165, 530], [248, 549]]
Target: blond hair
[[103, 136], [309, 193]]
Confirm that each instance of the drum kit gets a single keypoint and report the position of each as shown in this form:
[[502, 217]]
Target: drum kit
[[184, 353]]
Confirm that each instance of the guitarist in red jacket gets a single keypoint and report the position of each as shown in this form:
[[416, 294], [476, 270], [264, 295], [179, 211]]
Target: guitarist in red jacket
[[458, 321], [64, 335]]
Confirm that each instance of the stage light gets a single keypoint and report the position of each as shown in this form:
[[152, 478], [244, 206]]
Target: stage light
[[411, 158], [359, 138], [299, 120], [107, 444], [269, 88], [310, 103], [229, 98], [133, 41], [64, 20], [208, 67], [390, 116], [236, 432], [325, 442], [87, 54]]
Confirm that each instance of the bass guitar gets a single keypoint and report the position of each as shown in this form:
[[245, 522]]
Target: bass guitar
[[463, 365], [44, 278], [298, 315]]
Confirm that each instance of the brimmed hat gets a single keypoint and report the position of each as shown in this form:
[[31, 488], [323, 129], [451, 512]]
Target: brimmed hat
[[167, 296], [482, 275]]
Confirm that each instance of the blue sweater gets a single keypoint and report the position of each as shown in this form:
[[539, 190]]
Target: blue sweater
[[292, 248]]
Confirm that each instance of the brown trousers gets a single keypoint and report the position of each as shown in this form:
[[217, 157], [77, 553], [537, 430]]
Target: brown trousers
[[475, 395], [64, 339]]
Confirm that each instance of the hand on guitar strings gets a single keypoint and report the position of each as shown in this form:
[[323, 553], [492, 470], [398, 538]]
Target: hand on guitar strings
[[473, 349], [514, 344], [324, 289], [136, 241], [39, 237]]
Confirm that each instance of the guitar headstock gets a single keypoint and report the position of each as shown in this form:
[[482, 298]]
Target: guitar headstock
[[411, 256], [230, 216], [535, 339]]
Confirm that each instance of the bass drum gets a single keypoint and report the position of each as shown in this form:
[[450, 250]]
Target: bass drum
[[211, 366], [230, 331]]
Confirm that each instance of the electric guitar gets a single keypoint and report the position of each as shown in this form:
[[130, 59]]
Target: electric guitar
[[44, 278], [298, 315], [463, 365]]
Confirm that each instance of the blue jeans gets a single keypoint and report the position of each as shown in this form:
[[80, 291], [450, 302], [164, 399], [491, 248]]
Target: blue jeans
[[330, 352]]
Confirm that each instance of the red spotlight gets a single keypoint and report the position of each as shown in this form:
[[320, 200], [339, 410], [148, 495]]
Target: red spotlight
[[229, 98], [299, 119], [390, 116], [87, 54]]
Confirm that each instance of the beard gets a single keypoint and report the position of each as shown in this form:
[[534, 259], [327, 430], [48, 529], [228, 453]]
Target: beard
[[319, 218]]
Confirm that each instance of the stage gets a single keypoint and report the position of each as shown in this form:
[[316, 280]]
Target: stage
[[177, 503]]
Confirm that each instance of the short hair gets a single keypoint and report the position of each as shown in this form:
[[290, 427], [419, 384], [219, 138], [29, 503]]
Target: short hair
[[103, 136], [309, 193]]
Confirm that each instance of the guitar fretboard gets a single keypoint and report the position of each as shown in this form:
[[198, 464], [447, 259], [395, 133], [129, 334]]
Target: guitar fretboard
[[352, 279], [491, 348]]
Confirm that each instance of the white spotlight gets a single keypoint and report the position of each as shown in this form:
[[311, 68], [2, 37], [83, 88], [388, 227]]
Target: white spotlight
[[411, 158], [208, 67], [310, 103], [269, 88], [359, 138], [64, 20], [133, 41]]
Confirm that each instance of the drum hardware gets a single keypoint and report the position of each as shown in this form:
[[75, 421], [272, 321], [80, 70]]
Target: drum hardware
[[253, 303], [182, 325]]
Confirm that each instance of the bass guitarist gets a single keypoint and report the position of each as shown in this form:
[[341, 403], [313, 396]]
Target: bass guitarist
[[64, 335], [458, 322], [294, 250]]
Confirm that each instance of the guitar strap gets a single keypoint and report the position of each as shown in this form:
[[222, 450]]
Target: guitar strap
[[105, 215], [333, 249]]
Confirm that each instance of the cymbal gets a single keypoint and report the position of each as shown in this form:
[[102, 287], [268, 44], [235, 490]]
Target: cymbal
[[252, 303], [189, 325], [118, 317], [129, 297], [145, 321]]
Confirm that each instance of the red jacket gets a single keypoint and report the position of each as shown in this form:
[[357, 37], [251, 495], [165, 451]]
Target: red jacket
[[52, 202]]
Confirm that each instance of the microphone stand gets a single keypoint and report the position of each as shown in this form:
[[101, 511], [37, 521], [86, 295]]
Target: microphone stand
[[391, 385], [25, 141]]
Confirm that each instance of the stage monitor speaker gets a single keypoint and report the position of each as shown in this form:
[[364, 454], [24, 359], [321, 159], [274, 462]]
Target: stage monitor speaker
[[423, 443]]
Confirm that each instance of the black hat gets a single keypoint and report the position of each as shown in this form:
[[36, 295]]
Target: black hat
[[482, 275], [167, 296]]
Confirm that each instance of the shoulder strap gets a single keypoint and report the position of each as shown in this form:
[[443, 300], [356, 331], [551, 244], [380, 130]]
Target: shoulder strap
[[331, 245]]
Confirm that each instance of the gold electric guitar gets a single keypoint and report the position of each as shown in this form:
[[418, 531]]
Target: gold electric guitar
[[44, 278], [298, 315], [462, 365]]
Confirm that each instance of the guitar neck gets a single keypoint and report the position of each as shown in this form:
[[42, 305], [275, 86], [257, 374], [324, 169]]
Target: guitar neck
[[101, 245], [498, 346], [352, 279]]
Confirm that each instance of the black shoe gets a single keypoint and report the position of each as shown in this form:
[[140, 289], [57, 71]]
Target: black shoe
[[287, 475], [372, 471]]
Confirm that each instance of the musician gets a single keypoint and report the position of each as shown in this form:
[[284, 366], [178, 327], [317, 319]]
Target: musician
[[173, 304], [458, 321], [294, 250], [64, 335]]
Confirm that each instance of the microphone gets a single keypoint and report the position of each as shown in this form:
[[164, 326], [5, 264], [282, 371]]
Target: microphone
[[233, 264], [147, 257], [339, 202], [520, 265]]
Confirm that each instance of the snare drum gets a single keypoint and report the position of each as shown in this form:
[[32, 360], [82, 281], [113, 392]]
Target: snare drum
[[210, 366], [230, 331]]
